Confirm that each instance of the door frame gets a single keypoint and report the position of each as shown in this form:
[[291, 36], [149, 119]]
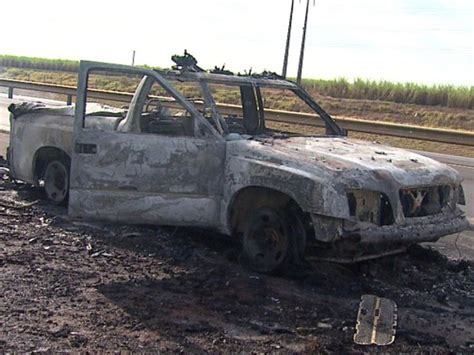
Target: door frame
[[203, 131], [85, 67]]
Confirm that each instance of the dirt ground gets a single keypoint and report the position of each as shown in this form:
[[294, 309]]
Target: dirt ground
[[93, 287]]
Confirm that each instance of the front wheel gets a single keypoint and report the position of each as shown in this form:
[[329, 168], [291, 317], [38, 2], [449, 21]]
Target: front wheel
[[56, 181], [266, 240]]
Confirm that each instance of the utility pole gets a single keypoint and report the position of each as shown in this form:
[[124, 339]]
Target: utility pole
[[133, 58], [303, 41], [288, 39]]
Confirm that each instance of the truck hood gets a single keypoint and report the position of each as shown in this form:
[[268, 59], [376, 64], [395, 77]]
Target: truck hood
[[354, 163]]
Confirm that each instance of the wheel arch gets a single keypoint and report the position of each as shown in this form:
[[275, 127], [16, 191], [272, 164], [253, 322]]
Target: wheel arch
[[255, 196], [44, 155]]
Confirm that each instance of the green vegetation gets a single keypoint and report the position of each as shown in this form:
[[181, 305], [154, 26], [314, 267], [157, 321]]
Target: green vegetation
[[64, 65], [404, 93], [41, 76]]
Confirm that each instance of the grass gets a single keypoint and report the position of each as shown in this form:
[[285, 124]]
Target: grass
[[405, 93], [39, 63]]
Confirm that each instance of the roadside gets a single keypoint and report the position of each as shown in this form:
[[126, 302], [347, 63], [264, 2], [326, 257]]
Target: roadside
[[457, 246], [94, 287]]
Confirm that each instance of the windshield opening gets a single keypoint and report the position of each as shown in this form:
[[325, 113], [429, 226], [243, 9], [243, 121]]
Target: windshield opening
[[252, 110], [238, 106], [246, 106]]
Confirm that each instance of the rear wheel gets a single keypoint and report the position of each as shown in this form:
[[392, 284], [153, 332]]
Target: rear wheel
[[56, 181], [266, 240]]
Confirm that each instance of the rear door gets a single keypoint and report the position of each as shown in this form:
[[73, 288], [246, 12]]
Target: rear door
[[161, 163]]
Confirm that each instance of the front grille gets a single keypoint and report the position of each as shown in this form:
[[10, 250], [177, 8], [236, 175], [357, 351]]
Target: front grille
[[425, 201], [370, 206]]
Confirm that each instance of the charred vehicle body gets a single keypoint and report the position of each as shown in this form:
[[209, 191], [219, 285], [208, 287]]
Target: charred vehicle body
[[174, 156]]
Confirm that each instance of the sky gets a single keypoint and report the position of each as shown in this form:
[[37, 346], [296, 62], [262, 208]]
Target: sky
[[423, 41]]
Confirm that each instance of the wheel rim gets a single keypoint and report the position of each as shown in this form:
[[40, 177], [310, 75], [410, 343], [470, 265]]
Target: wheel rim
[[56, 181], [266, 241]]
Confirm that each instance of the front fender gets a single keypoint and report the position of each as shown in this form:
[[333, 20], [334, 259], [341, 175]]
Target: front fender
[[311, 193]]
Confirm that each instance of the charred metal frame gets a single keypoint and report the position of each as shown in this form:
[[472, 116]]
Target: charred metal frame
[[206, 179], [332, 127]]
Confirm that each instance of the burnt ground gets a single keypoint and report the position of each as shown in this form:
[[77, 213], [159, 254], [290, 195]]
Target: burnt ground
[[93, 287]]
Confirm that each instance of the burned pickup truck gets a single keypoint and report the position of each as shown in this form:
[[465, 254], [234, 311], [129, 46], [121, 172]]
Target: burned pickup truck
[[175, 156]]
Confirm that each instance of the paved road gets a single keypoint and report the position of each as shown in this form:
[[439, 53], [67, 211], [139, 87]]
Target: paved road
[[4, 139], [465, 166]]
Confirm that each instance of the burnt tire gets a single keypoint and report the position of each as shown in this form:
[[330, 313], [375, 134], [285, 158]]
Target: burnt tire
[[56, 181], [299, 238], [266, 240]]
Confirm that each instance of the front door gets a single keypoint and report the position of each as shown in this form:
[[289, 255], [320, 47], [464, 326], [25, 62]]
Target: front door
[[156, 165]]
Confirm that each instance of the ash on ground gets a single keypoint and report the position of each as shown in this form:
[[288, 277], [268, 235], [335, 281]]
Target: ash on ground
[[69, 285]]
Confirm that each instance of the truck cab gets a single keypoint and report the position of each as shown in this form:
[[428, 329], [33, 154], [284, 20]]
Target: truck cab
[[175, 155]]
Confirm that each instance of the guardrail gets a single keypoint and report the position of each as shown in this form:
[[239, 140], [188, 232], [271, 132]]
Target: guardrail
[[351, 124]]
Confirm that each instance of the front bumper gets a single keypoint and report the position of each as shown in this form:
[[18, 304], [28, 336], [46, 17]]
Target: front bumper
[[422, 229]]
